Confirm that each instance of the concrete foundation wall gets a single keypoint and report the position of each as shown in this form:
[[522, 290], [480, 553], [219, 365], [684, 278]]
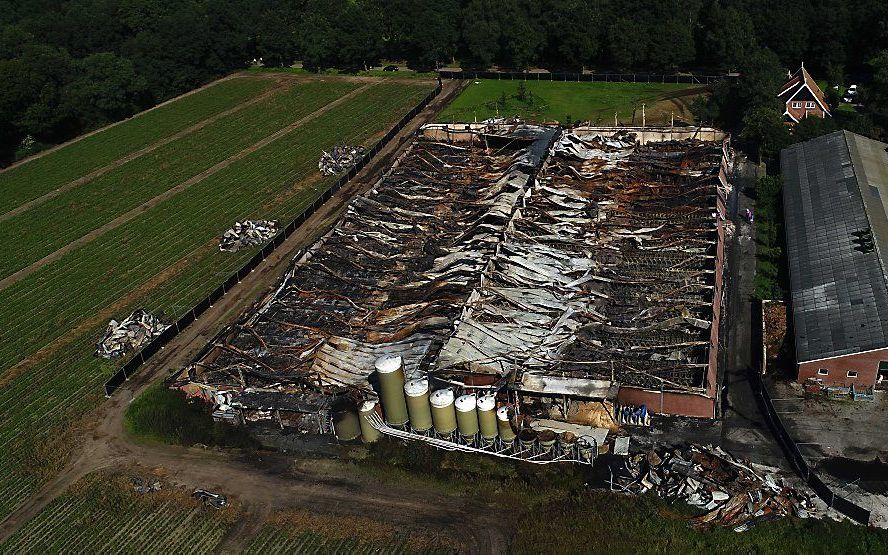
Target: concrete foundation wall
[[865, 364]]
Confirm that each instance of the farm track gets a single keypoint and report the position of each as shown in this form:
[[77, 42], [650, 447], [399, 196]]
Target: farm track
[[275, 89], [169, 193], [268, 483]]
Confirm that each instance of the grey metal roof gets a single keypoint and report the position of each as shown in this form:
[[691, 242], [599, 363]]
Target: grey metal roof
[[835, 190]]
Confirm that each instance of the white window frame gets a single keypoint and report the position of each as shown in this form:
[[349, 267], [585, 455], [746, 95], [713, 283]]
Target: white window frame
[[796, 104], [851, 374], [823, 372], [810, 105]]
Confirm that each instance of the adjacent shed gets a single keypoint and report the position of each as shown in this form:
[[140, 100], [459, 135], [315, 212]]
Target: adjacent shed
[[835, 190]]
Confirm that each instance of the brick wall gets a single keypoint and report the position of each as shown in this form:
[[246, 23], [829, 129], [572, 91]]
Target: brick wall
[[682, 404], [802, 113], [865, 364]]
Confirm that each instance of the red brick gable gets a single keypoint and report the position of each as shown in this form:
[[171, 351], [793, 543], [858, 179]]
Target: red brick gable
[[801, 88]]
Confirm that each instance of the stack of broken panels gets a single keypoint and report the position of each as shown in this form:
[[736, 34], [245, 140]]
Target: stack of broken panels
[[732, 493]]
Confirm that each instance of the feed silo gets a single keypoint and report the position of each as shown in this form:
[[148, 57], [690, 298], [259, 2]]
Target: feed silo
[[390, 369], [505, 427], [368, 432], [467, 416], [443, 412], [417, 392], [487, 417]]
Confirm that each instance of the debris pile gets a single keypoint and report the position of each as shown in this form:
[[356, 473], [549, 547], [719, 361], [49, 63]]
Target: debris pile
[[339, 159], [210, 499], [248, 233], [133, 333], [143, 486], [732, 493], [774, 314]]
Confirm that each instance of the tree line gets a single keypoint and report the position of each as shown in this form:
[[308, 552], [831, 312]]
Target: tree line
[[67, 66]]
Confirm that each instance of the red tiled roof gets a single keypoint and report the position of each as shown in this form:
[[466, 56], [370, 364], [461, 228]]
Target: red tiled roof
[[800, 79]]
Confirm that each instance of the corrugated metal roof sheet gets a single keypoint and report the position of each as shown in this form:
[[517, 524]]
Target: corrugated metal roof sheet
[[833, 200]]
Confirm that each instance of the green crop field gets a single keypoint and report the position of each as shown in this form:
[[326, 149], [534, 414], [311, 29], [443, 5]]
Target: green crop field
[[103, 514], [175, 202], [596, 102], [301, 532], [45, 173]]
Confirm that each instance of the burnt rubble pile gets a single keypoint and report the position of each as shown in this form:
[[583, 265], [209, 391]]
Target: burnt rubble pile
[[340, 159], [248, 233], [143, 485], [133, 333], [733, 493]]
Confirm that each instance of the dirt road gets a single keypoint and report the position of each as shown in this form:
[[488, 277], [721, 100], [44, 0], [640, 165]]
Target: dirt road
[[269, 483]]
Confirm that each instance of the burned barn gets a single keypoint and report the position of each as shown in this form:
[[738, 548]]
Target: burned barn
[[504, 288]]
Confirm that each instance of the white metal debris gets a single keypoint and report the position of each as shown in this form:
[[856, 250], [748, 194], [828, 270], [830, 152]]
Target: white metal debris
[[133, 333], [340, 159], [248, 233]]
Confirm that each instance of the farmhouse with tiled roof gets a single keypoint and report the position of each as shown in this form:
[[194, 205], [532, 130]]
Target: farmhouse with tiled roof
[[802, 98]]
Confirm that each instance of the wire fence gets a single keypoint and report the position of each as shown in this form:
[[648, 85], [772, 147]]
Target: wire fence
[[789, 446], [688, 78], [140, 358]]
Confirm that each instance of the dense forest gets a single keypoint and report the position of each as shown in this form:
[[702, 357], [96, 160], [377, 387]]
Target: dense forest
[[67, 66]]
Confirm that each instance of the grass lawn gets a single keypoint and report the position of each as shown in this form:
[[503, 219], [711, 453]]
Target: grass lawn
[[563, 101]]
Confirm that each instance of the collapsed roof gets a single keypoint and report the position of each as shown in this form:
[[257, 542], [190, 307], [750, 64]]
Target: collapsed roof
[[481, 261], [604, 273]]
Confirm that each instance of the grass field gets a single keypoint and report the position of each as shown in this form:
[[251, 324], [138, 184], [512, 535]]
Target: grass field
[[35, 233], [165, 256], [302, 532], [563, 101], [102, 514], [607, 523]]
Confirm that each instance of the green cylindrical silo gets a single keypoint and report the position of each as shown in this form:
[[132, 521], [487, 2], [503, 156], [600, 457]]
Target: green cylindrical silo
[[417, 392], [467, 416], [505, 427], [487, 416], [390, 369], [346, 425], [368, 432], [443, 412]]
